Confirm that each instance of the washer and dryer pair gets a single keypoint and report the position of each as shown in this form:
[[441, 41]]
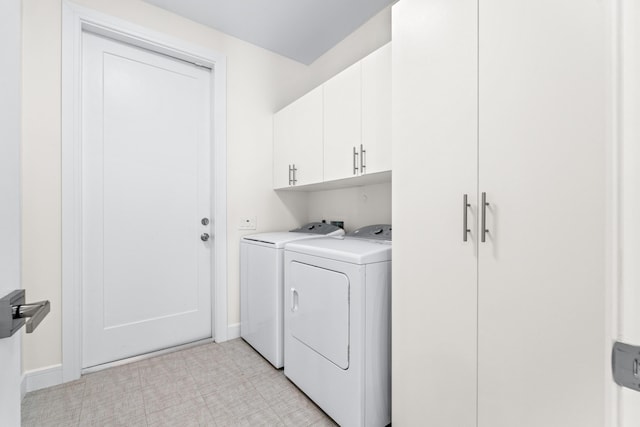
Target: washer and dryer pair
[[335, 294], [338, 324]]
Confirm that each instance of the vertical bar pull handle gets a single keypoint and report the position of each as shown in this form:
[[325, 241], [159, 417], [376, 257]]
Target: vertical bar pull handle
[[363, 163], [294, 170], [294, 299], [355, 161], [289, 174], [484, 230], [465, 224]]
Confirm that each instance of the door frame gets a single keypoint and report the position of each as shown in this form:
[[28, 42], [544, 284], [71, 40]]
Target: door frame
[[75, 20]]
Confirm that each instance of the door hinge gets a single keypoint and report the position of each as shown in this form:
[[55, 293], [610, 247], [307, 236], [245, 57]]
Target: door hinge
[[625, 363]]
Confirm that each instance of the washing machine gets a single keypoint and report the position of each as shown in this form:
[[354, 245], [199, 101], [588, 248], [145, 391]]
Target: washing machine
[[338, 324], [261, 286]]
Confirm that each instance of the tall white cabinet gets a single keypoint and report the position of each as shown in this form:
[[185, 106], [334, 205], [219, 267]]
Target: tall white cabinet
[[505, 99]]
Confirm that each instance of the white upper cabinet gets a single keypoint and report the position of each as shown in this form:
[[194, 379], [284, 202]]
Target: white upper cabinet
[[297, 148], [342, 124], [338, 131], [376, 111]]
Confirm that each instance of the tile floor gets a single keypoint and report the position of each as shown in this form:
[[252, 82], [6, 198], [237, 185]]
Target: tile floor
[[226, 384]]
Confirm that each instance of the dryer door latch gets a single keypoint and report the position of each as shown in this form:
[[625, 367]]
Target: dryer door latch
[[625, 363]]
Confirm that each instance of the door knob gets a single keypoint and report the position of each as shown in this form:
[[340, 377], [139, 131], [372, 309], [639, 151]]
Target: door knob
[[204, 237], [205, 221]]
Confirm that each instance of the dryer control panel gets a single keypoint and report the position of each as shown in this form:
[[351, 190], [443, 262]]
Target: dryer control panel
[[319, 228], [373, 232]]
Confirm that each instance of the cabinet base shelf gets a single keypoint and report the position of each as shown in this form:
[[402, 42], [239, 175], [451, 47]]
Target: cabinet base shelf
[[356, 181]]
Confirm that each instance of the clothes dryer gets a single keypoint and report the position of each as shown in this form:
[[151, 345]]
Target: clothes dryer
[[261, 286], [338, 324]]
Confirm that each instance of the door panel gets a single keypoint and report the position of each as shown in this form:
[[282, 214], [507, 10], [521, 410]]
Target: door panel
[[541, 271], [629, 304], [434, 164], [298, 140], [10, 101], [342, 122], [146, 273], [376, 110], [319, 304]]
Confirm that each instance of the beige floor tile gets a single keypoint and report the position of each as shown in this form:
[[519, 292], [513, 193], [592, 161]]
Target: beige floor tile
[[189, 413], [262, 418], [172, 392]]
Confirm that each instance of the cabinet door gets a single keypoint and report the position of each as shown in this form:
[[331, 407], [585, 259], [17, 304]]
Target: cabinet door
[[376, 110], [434, 164], [298, 141], [342, 124], [542, 360]]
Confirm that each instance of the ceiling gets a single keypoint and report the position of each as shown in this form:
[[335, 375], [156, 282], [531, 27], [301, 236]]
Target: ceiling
[[299, 29]]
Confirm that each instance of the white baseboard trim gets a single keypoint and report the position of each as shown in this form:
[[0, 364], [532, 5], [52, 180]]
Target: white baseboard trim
[[41, 378], [233, 331]]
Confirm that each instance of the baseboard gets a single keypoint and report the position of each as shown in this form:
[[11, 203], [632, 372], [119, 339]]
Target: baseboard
[[41, 378], [233, 331]]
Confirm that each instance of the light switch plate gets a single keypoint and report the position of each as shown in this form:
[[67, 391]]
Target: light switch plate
[[247, 223]]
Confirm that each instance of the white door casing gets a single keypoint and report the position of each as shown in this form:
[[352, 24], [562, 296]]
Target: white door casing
[[77, 19], [145, 144], [10, 102]]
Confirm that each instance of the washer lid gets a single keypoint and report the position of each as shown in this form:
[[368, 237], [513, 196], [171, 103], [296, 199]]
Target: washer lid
[[276, 239], [355, 251]]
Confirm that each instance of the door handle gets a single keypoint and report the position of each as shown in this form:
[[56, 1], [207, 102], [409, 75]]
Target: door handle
[[363, 163], [355, 161], [484, 230], [465, 209], [294, 300], [290, 175], [294, 180], [204, 237], [14, 311]]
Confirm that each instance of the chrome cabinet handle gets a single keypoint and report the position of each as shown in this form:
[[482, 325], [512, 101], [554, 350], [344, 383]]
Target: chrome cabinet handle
[[204, 237], [363, 163], [289, 174], [355, 161], [294, 180], [465, 225], [484, 230]]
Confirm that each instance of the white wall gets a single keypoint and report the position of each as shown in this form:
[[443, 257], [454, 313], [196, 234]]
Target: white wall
[[357, 207], [259, 83]]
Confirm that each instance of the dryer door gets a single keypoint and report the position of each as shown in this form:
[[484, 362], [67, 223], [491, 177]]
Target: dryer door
[[320, 311]]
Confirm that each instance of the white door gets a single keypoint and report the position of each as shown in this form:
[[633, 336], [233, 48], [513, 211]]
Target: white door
[[342, 112], [541, 281], [298, 141], [10, 54], [376, 111], [146, 271], [434, 323], [629, 304]]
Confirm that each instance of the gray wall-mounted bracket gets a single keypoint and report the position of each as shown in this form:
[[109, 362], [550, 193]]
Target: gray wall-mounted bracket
[[625, 363]]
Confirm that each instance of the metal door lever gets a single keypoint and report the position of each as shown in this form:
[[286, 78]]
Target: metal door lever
[[35, 312], [14, 311]]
